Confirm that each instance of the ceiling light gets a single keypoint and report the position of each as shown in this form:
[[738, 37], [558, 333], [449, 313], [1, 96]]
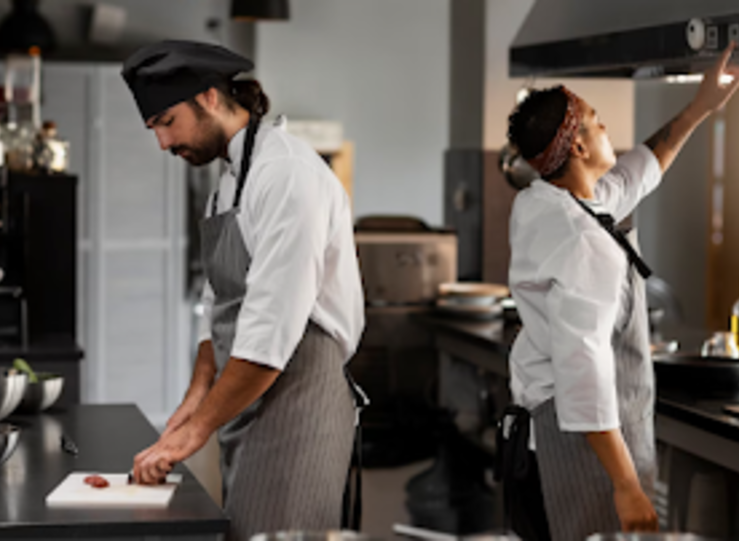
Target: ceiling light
[[260, 10]]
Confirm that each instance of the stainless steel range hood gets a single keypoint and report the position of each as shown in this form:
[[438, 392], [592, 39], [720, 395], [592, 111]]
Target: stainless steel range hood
[[622, 38]]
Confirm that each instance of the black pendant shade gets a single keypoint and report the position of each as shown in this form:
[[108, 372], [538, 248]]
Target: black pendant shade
[[255, 10], [24, 29]]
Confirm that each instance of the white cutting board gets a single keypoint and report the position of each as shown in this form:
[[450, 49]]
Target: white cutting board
[[74, 492]]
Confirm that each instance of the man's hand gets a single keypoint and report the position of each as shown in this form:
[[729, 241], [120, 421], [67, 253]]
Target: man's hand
[[635, 510], [152, 465], [713, 93], [240, 384]]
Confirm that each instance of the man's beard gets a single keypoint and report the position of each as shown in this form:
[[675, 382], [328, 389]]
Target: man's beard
[[209, 144]]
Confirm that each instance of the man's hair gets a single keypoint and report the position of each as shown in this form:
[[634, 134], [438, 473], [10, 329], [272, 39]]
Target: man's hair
[[247, 94], [534, 124]]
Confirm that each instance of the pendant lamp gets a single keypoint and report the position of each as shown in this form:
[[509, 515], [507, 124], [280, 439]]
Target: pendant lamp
[[24, 29], [260, 10]]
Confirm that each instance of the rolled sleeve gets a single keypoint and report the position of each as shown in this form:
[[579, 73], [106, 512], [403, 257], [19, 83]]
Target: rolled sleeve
[[207, 297], [290, 221], [635, 175], [582, 304], [204, 324]]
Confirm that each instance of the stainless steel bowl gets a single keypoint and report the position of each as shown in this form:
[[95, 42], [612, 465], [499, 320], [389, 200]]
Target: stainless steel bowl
[[298, 535], [12, 388], [9, 436], [42, 395]]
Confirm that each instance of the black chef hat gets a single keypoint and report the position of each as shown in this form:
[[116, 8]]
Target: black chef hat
[[169, 72]]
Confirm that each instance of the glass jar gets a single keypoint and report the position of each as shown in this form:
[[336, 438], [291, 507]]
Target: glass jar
[[50, 154]]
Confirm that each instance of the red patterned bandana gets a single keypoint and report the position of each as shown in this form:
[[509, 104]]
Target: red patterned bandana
[[552, 157]]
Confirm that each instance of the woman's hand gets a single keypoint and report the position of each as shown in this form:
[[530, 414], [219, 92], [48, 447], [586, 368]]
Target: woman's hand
[[713, 93], [634, 509]]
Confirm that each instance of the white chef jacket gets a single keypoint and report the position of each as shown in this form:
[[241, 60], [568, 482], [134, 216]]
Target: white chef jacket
[[297, 225], [568, 276]]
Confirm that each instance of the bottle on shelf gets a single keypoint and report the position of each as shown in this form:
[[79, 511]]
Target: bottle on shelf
[[735, 322]]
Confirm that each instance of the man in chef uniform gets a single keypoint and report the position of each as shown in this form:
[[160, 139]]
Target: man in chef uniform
[[284, 308], [580, 367]]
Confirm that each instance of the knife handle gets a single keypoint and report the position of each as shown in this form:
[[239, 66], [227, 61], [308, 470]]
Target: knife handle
[[68, 446]]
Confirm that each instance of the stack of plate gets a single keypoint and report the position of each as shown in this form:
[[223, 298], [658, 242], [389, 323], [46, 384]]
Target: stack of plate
[[472, 300]]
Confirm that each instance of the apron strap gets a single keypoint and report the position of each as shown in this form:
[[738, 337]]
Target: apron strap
[[248, 150], [249, 138], [608, 223]]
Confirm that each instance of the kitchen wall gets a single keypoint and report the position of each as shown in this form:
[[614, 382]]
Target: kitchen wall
[[673, 221], [381, 67]]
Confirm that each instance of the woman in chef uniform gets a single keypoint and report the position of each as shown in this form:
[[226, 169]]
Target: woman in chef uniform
[[580, 367], [283, 300]]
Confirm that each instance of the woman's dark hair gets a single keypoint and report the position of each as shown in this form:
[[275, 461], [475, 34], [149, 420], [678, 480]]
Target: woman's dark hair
[[246, 93], [534, 123]]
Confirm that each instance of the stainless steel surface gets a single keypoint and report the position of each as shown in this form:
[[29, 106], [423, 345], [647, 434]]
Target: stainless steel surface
[[517, 171], [9, 436], [405, 268], [42, 395], [12, 388], [647, 537], [298, 535]]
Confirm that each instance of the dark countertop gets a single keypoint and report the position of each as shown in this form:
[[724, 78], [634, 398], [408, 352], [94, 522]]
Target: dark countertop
[[107, 437], [498, 336]]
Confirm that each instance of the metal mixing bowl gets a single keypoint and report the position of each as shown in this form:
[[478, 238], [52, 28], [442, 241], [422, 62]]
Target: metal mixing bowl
[[42, 395], [9, 436], [299, 535], [12, 388]]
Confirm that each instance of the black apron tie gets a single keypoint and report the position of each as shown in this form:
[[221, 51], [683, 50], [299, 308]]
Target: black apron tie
[[608, 223], [351, 507], [512, 444], [248, 150]]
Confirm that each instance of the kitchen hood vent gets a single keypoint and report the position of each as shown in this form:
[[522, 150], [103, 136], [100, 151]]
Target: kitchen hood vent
[[628, 38]]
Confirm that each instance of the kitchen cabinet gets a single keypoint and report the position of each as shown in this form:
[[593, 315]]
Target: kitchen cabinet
[[107, 437]]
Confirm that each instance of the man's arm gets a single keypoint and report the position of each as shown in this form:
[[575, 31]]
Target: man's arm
[[712, 95], [634, 509], [241, 383], [202, 379]]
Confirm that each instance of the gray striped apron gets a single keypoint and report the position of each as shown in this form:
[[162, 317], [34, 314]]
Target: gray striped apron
[[578, 494], [284, 459]]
